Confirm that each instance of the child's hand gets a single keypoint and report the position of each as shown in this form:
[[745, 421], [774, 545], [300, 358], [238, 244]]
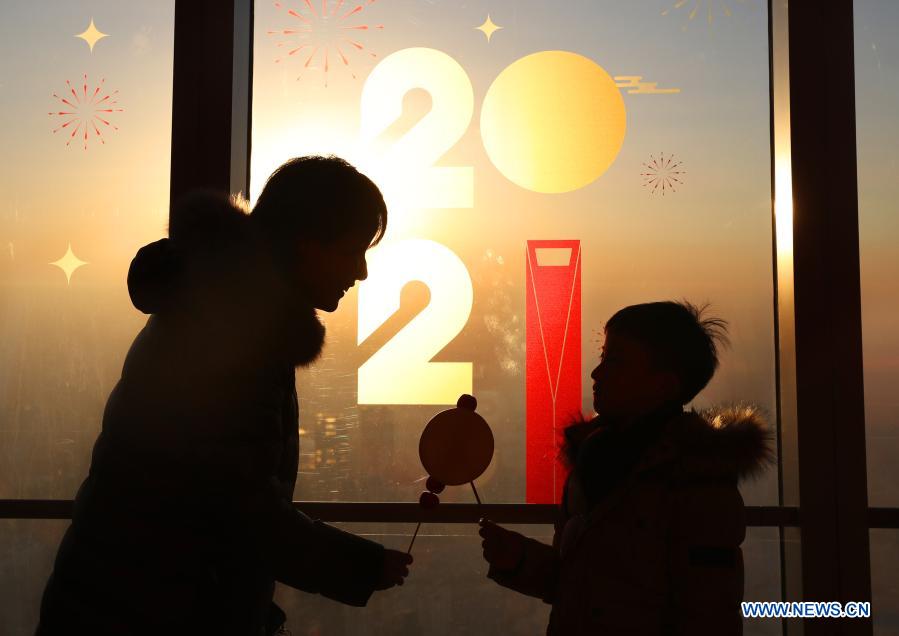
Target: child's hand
[[395, 569], [503, 549]]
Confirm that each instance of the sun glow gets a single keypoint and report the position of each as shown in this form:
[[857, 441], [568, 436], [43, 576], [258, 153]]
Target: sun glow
[[783, 205]]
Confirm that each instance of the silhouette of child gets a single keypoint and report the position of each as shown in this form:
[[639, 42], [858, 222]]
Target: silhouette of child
[[186, 519], [651, 522]]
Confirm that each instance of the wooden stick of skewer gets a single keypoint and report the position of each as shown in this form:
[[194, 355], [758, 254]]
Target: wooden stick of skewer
[[475, 490], [418, 527], [411, 543]]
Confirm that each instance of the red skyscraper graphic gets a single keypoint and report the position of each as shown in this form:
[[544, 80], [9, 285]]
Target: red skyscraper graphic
[[553, 360]]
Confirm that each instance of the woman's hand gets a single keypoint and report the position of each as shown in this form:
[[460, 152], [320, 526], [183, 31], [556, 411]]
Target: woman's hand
[[395, 569], [503, 549]]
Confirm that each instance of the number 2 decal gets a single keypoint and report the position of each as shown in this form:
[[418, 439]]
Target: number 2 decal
[[412, 157], [401, 371]]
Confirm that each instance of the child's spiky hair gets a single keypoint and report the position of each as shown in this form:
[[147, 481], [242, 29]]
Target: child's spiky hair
[[680, 336]]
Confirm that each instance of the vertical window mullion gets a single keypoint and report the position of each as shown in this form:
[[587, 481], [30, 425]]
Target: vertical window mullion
[[829, 382], [203, 95]]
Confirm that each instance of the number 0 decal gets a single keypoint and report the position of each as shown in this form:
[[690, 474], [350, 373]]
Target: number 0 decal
[[401, 372]]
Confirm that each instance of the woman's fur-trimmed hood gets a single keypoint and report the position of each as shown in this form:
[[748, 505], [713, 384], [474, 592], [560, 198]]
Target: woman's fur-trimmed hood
[[215, 278], [206, 232]]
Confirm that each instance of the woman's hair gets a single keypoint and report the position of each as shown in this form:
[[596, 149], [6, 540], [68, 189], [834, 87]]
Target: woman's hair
[[680, 338], [319, 198]]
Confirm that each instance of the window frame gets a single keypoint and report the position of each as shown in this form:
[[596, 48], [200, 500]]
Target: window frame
[[823, 513]]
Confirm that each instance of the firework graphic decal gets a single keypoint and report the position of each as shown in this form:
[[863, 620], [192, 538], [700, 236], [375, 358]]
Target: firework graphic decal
[[662, 175], [85, 112], [705, 8], [322, 35]]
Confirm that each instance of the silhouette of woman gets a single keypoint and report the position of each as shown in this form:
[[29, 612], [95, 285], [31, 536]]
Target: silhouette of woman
[[186, 520]]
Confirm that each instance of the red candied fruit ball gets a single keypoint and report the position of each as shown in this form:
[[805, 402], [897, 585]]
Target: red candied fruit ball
[[434, 486], [428, 500], [466, 401]]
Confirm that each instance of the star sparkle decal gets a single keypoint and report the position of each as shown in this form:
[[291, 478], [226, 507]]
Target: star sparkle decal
[[69, 263], [92, 35], [488, 28]]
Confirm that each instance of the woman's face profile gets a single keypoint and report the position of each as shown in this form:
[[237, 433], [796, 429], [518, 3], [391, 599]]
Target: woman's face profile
[[329, 269]]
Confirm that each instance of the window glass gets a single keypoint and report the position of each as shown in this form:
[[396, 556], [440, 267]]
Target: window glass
[[447, 591], [87, 112], [544, 166], [27, 550], [761, 577], [884, 585], [877, 130]]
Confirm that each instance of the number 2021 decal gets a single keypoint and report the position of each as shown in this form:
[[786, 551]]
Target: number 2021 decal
[[520, 130]]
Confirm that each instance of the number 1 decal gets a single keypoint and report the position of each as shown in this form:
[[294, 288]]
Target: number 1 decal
[[401, 372]]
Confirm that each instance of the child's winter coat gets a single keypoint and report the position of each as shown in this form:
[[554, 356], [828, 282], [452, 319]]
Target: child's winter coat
[[648, 540]]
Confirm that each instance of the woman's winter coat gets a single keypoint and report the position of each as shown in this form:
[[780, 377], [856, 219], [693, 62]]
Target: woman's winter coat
[[186, 520], [648, 541]]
